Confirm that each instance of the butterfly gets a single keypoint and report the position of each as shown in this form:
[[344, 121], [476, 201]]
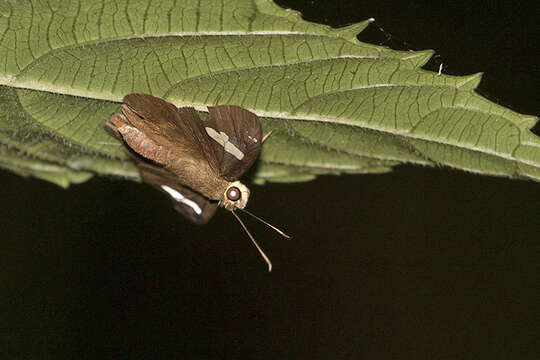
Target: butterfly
[[196, 162]]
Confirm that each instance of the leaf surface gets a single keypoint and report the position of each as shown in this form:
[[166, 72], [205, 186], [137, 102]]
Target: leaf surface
[[336, 105]]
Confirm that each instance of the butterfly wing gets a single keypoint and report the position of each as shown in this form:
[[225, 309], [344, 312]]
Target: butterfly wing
[[201, 155], [171, 137], [187, 202], [228, 140], [235, 139], [179, 130]]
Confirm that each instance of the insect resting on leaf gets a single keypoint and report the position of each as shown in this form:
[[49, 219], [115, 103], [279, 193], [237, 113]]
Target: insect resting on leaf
[[196, 162]]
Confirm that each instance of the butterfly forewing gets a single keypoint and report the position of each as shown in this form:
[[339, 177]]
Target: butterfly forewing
[[187, 202], [236, 139]]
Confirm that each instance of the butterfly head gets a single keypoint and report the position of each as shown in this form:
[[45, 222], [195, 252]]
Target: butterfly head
[[236, 196]]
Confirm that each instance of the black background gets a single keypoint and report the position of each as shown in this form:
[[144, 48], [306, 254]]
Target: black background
[[420, 263]]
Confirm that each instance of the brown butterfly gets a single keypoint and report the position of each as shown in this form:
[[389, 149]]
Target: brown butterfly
[[196, 162]]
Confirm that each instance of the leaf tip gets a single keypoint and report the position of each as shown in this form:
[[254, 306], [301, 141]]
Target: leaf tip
[[418, 58], [350, 32], [470, 82], [530, 122]]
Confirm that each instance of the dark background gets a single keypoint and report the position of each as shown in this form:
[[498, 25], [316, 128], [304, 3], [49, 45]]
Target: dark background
[[421, 263]]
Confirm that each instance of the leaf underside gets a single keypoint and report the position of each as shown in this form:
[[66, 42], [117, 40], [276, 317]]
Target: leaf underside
[[336, 105]]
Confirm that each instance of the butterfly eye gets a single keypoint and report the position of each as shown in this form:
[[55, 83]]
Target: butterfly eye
[[233, 193]]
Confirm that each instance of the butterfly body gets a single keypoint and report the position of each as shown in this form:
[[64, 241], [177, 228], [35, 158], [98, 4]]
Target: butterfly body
[[196, 162]]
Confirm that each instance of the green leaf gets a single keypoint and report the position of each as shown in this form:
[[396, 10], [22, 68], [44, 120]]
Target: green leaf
[[336, 105]]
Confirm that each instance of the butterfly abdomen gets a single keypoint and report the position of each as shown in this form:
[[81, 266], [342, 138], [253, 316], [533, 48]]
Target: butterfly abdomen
[[137, 140]]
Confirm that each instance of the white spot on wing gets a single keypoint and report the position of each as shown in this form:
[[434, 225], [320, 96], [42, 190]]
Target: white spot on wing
[[223, 140], [182, 199]]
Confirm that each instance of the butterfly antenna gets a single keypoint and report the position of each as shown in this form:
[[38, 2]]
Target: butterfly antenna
[[254, 242], [267, 224]]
